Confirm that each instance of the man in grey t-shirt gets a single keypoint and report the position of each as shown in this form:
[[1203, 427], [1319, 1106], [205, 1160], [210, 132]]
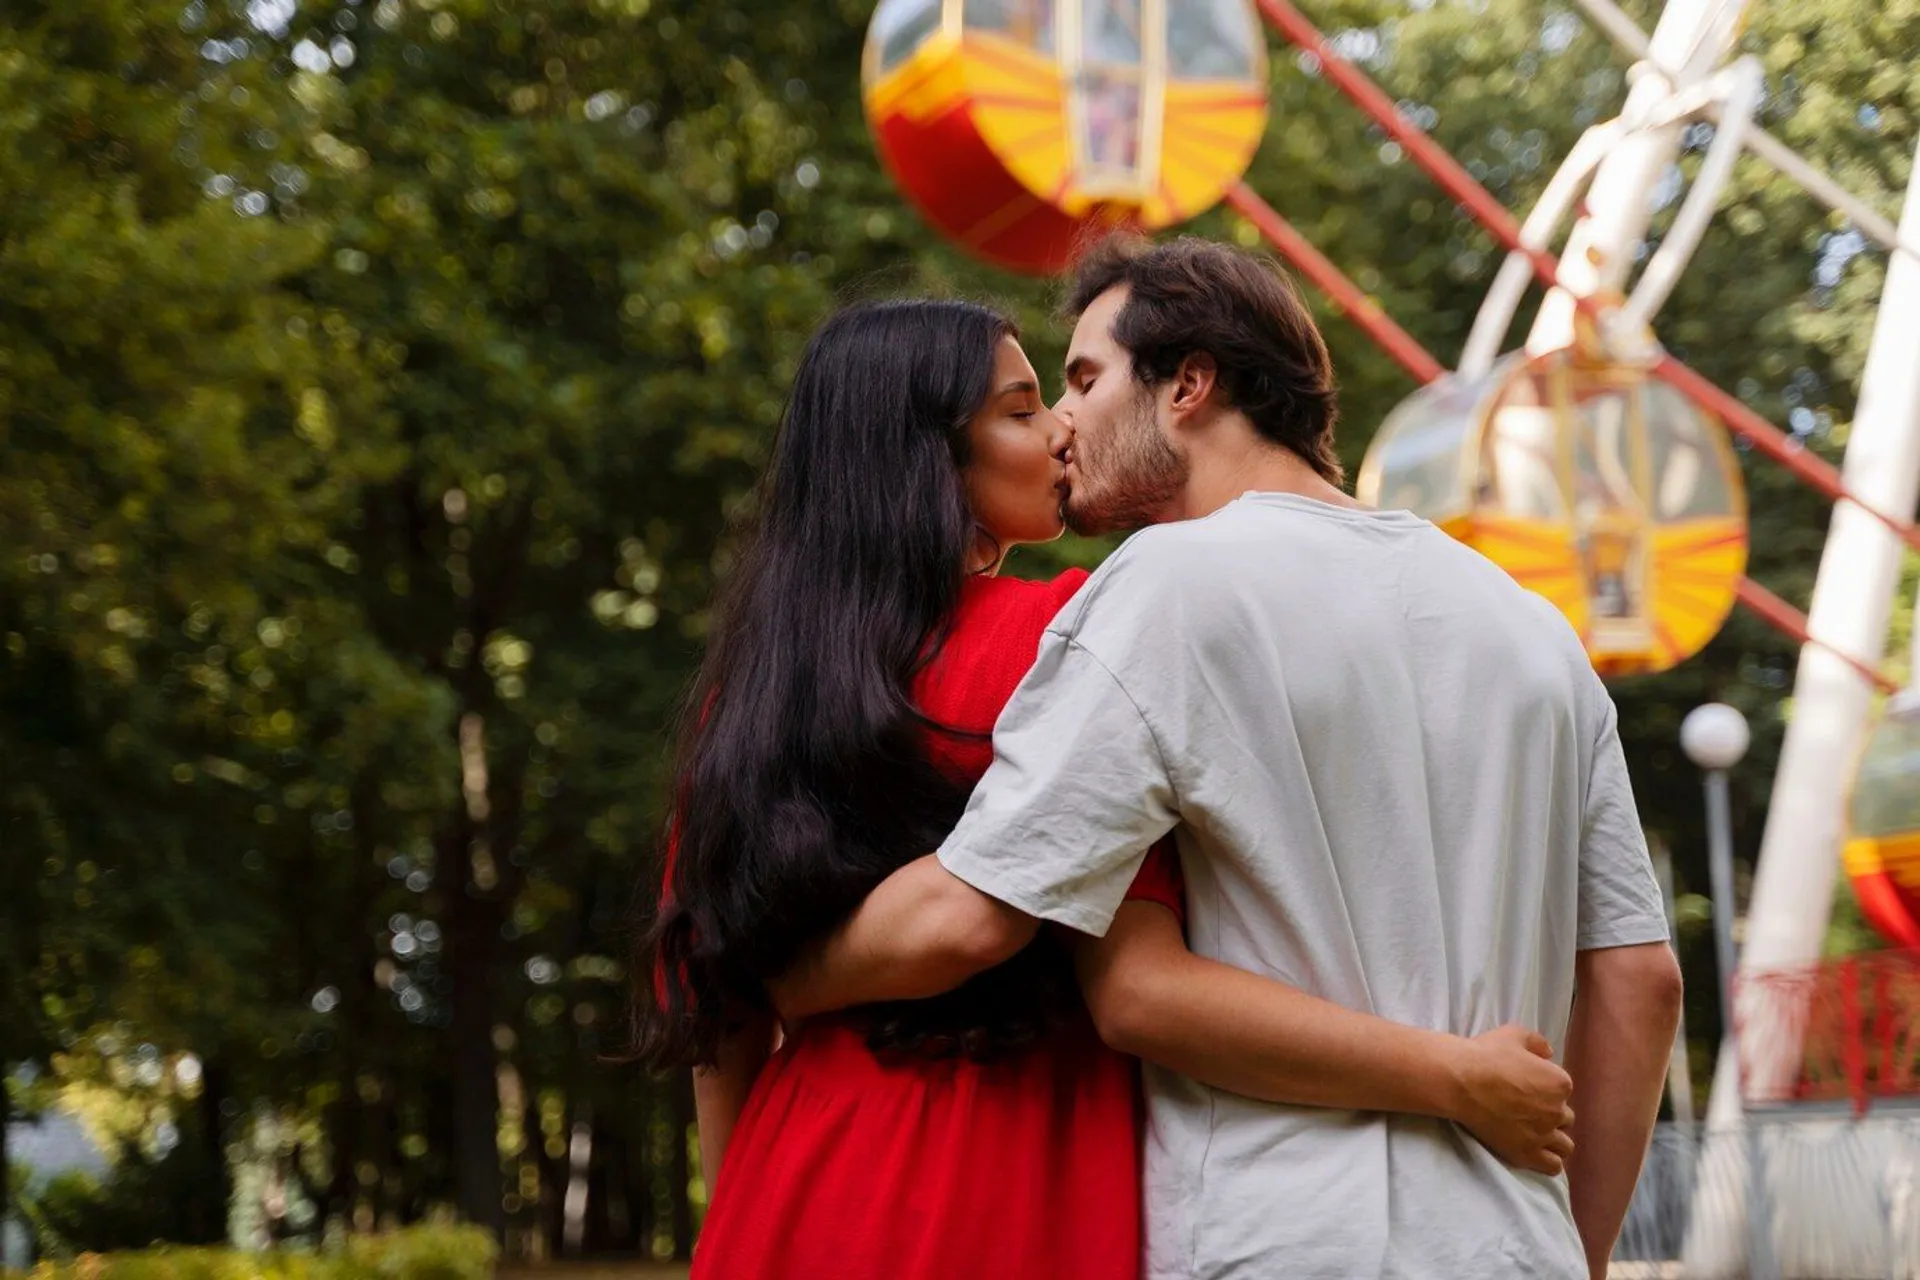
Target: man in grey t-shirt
[[1394, 780]]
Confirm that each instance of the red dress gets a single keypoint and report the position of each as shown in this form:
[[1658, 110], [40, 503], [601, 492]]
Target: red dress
[[846, 1168]]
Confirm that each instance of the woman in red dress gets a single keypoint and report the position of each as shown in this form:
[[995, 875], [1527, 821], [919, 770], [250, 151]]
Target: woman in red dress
[[863, 650]]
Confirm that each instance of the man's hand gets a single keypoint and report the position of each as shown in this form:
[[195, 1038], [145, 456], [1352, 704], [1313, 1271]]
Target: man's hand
[[1514, 1099]]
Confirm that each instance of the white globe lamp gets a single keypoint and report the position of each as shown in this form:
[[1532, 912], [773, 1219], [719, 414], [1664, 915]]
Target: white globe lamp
[[1715, 736]]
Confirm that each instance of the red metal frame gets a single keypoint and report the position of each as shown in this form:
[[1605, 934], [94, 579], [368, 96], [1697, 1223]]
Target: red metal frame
[[1783, 617], [1346, 295], [1420, 362], [1491, 214], [1860, 1037]]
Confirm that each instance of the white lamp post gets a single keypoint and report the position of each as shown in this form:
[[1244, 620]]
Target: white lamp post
[[1715, 737]]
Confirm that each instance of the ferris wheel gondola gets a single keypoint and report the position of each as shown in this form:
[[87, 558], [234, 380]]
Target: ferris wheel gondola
[[1015, 126], [1882, 852], [1591, 481]]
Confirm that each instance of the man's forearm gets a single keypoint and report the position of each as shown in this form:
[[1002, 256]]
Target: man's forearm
[[921, 932], [1625, 1013]]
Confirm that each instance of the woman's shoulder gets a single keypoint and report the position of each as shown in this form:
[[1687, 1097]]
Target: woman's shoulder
[[988, 647], [1056, 590], [1000, 622], [1064, 587], [1031, 602]]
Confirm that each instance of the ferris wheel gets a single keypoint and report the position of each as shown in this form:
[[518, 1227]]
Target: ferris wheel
[[1589, 462]]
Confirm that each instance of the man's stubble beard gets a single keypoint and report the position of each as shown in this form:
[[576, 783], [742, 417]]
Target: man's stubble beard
[[1134, 480]]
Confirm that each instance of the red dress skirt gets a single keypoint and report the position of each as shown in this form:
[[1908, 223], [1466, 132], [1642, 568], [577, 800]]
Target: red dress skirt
[[844, 1167]]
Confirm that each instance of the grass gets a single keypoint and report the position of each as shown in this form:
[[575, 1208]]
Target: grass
[[595, 1271]]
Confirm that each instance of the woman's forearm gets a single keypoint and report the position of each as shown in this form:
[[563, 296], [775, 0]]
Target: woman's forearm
[[720, 1093], [1260, 1038]]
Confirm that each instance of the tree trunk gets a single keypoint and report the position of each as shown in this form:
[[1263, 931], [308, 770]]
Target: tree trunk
[[347, 1122], [6, 1170], [544, 1211], [390, 1191], [342, 1124], [680, 1109], [616, 1186], [215, 1091], [470, 877], [472, 947]]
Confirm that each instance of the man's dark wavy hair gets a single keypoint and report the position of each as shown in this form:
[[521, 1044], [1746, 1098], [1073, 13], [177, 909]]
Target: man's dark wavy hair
[[1190, 295]]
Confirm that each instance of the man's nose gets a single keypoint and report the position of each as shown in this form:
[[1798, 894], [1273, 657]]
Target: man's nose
[[1061, 436]]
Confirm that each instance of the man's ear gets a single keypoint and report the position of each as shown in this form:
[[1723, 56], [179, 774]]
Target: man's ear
[[1194, 382]]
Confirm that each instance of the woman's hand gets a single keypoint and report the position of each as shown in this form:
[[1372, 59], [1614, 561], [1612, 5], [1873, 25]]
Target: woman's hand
[[1513, 1098]]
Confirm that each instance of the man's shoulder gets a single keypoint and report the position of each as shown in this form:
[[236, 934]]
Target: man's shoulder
[[1555, 629], [1537, 626], [1158, 549], [1519, 605], [1146, 575]]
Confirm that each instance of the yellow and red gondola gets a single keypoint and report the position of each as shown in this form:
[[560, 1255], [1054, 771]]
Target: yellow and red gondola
[[1017, 126], [1591, 481]]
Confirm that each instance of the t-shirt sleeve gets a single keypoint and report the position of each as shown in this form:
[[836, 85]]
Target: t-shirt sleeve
[[1077, 793], [1620, 902]]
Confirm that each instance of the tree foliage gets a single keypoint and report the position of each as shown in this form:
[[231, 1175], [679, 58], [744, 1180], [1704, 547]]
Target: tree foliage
[[378, 384]]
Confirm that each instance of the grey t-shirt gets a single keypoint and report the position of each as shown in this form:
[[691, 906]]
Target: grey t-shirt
[[1396, 783]]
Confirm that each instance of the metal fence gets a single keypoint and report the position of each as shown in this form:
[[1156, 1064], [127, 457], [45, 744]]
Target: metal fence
[[1839, 1030], [1788, 1196]]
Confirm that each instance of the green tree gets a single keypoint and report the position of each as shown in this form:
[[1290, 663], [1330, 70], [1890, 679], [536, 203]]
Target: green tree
[[554, 239], [155, 387], [379, 383]]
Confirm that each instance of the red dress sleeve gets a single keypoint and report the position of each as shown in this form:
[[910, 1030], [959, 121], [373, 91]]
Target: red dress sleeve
[[1066, 586], [1159, 880]]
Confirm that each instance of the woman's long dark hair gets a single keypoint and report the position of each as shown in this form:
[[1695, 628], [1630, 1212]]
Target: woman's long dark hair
[[803, 777]]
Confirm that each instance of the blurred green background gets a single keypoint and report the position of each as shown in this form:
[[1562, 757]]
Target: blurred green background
[[378, 382]]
